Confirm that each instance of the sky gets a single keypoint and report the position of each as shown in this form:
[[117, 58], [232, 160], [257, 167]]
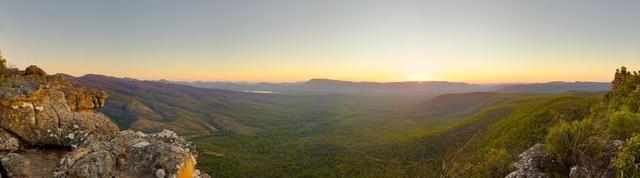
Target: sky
[[477, 41]]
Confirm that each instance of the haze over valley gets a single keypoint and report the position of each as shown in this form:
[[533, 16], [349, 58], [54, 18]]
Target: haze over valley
[[319, 88], [323, 124]]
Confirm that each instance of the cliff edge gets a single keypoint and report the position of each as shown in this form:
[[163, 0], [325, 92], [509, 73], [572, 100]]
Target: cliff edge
[[48, 129]]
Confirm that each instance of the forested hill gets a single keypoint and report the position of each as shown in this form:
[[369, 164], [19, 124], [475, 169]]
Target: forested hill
[[577, 136], [479, 134], [555, 87]]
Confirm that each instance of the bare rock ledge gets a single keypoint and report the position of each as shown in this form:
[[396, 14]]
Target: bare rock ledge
[[48, 129]]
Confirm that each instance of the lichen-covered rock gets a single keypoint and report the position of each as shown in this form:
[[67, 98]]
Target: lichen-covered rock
[[531, 163], [48, 129], [8, 142], [131, 154], [47, 110], [15, 165], [32, 162]]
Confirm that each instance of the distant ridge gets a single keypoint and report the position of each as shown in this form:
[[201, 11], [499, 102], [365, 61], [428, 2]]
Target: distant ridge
[[330, 86], [555, 87]]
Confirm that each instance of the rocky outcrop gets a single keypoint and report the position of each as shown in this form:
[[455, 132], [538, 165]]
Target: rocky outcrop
[[48, 129], [625, 91], [534, 162], [531, 163], [132, 154], [37, 109], [34, 70]]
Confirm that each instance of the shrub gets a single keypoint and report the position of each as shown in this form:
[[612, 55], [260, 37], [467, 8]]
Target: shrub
[[622, 125], [572, 143], [3, 62], [626, 161], [493, 163], [496, 163]]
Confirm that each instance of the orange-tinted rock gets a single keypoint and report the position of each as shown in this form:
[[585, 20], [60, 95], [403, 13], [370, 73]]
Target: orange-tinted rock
[[34, 70], [132, 154], [42, 110], [37, 109]]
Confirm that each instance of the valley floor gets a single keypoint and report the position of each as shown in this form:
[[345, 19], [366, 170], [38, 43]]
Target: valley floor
[[374, 138]]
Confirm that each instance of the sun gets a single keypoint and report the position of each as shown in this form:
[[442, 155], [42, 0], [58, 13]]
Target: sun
[[419, 77]]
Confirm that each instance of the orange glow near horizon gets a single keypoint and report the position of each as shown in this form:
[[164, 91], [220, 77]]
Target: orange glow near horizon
[[290, 41], [470, 76]]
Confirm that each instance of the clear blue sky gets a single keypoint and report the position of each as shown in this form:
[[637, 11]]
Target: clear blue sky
[[294, 40]]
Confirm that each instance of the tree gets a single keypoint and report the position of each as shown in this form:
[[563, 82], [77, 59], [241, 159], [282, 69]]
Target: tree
[[3, 61], [3, 65]]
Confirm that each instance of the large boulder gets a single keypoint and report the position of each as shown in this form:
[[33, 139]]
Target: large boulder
[[132, 154], [47, 110], [531, 163], [34, 70]]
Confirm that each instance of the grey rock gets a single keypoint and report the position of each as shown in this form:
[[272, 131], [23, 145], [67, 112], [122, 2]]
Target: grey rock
[[15, 165], [578, 172], [160, 173], [531, 163], [129, 154]]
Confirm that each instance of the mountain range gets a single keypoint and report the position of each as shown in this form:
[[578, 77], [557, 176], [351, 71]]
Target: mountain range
[[328, 86], [203, 108]]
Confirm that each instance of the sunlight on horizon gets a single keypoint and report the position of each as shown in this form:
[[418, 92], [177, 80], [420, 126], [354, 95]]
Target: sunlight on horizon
[[490, 41], [420, 77]]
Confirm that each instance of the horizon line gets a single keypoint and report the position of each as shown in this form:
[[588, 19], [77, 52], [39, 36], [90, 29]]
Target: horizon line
[[339, 80]]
